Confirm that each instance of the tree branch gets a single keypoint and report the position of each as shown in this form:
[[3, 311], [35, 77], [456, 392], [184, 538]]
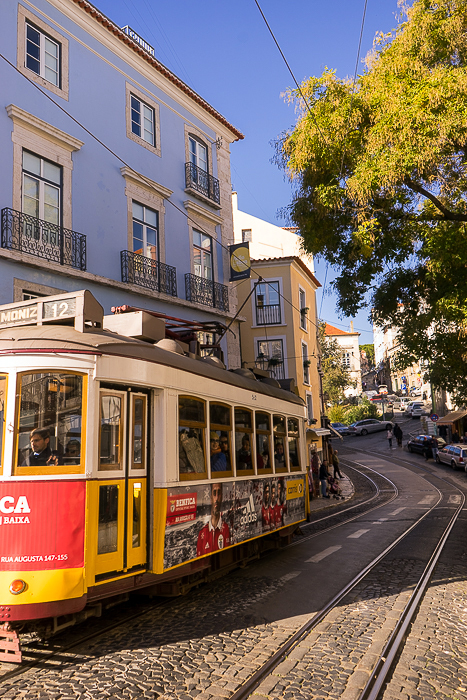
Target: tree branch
[[447, 214]]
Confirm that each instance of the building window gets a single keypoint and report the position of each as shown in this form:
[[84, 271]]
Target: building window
[[268, 308], [306, 364], [191, 438], [246, 235], [346, 359], [309, 406], [198, 154], [202, 255], [303, 309], [142, 120], [42, 55], [41, 188], [145, 231], [271, 356]]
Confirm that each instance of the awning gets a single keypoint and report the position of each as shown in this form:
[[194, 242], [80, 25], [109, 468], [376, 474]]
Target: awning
[[335, 433], [451, 417], [316, 433]]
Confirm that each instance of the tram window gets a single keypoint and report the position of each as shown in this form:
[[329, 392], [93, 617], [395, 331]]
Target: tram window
[[107, 535], [2, 413], [220, 439], [139, 432], [294, 453], [136, 534], [111, 431], [244, 447], [263, 442], [50, 422], [280, 458], [191, 438]]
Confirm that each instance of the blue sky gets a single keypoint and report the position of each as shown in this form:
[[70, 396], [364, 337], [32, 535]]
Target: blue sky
[[224, 51]]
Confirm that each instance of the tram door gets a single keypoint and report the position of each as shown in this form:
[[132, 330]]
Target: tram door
[[121, 500]]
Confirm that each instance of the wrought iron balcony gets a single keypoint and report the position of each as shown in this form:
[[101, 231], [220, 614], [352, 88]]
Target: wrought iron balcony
[[149, 273], [268, 315], [207, 292], [42, 239], [200, 181]]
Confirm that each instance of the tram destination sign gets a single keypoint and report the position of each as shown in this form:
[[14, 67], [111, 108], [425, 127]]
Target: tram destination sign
[[42, 311]]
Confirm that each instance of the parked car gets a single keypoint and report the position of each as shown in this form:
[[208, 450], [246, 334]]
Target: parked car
[[401, 403], [341, 428], [455, 455], [415, 391], [420, 443], [408, 408], [383, 389], [369, 425], [417, 410]]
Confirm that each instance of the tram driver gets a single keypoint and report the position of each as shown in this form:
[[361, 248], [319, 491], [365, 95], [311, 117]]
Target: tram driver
[[40, 455]]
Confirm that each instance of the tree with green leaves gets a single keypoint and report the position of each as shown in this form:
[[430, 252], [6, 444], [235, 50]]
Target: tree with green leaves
[[336, 375], [369, 350], [380, 168]]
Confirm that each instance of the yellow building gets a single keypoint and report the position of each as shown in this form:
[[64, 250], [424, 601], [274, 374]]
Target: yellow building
[[280, 333]]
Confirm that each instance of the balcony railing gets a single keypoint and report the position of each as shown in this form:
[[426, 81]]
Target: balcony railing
[[42, 239], [207, 292], [200, 181], [274, 365], [268, 315], [149, 273]]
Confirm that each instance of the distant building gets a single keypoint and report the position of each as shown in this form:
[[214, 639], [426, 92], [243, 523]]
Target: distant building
[[146, 227], [280, 332], [348, 343], [267, 240]]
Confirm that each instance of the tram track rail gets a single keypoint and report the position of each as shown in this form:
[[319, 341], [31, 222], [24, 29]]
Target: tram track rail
[[386, 661], [388, 657]]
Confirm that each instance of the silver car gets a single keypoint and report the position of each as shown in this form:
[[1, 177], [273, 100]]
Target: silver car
[[455, 455], [369, 425]]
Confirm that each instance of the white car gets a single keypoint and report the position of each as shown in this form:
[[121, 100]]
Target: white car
[[418, 410], [369, 425]]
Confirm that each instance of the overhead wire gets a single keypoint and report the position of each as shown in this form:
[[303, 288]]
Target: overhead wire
[[146, 180]]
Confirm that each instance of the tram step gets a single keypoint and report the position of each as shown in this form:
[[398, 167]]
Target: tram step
[[9, 646]]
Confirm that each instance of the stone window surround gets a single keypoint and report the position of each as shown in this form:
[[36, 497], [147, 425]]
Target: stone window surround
[[132, 90], [145, 191], [205, 222], [20, 286], [24, 15], [43, 139], [200, 136]]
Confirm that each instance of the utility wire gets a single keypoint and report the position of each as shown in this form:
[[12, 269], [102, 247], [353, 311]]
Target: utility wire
[[147, 181]]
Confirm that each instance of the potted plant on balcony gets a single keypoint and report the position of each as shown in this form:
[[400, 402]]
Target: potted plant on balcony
[[306, 363], [274, 361]]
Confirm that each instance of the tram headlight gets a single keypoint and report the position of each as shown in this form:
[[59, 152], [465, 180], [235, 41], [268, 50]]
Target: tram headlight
[[17, 586]]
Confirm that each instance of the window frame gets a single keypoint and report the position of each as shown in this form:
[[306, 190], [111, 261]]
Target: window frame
[[193, 138], [145, 226], [305, 358], [294, 435], [59, 469], [5, 376], [133, 91], [42, 182], [25, 17], [192, 476], [224, 429], [251, 433], [303, 315], [284, 436], [268, 433], [139, 109], [117, 467], [199, 247]]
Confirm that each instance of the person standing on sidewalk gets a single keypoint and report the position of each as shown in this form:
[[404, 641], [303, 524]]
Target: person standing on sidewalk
[[389, 436], [335, 464], [323, 477], [398, 434]]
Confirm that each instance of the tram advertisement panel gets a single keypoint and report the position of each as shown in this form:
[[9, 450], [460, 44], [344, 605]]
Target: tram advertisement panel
[[42, 525], [206, 518]]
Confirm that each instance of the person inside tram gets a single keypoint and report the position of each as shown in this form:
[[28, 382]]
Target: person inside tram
[[224, 445], [40, 455], [244, 454], [218, 458], [72, 452], [279, 456]]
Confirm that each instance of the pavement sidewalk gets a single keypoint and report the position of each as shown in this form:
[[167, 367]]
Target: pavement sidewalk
[[346, 489]]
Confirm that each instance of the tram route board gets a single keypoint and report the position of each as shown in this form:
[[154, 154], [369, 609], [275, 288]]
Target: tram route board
[[58, 308]]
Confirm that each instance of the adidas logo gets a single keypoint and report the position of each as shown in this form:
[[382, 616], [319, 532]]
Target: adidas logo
[[249, 513]]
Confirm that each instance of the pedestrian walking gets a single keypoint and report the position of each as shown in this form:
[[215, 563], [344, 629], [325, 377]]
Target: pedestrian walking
[[434, 447], [389, 436], [323, 477], [335, 464], [398, 434]]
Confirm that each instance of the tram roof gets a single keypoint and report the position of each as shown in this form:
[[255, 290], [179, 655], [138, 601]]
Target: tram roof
[[61, 338]]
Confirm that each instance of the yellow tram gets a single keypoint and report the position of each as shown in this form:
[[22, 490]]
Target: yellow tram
[[130, 464]]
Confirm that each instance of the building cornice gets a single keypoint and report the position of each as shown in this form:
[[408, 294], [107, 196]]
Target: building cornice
[[198, 210], [22, 118], [144, 181]]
